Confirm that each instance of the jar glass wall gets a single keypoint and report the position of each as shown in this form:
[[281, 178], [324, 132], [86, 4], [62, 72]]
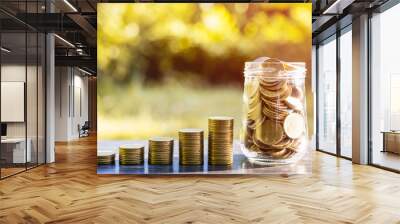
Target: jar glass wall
[[274, 125]]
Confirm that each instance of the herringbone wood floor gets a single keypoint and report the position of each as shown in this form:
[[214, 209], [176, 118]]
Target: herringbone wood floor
[[69, 191]]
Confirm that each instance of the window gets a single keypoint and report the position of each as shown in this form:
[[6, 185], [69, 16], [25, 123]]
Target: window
[[327, 96], [346, 93], [385, 89]]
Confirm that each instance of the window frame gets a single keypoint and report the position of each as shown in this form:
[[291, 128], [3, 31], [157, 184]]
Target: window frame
[[334, 37]]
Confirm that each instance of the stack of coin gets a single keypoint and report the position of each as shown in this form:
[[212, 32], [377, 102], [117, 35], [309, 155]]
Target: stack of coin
[[191, 145], [220, 140], [275, 124], [131, 154], [105, 157], [161, 150]]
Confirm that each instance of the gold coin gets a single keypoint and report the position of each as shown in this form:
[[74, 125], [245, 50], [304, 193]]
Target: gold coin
[[277, 106], [131, 146], [294, 103], [254, 123], [191, 131], [294, 125], [253, 101], [251, 87], [280, 154], [297, 92], [272, 84], [269, 132], [290, 67], [272, 66], [105, 153], [284, 143], [221, 119], [161, 140], [255, 113], [220, 139], [265, 148], [254, 148], [281, 93], [105, 157], [274, 114]]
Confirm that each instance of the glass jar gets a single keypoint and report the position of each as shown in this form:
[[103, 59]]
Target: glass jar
[[274, 129]]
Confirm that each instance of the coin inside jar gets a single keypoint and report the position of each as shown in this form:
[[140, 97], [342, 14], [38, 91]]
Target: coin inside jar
[[274, 113], [254, 100], [254, 123], [272, 65], [269, 132], [294, 125], [297, 93], [282, 93], [255, 113], [251, 87], [294, 103], [272, 84]]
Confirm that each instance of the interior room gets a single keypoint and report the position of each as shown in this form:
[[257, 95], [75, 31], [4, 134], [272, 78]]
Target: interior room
[[49, 93], [22, 99], [385, 77]]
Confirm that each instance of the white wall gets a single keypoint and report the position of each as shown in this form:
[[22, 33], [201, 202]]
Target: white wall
[[71, 94], [62, 81], [16, 73], [12, 73]]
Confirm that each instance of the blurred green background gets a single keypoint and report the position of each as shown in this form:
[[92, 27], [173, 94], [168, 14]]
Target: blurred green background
[[163, 67]]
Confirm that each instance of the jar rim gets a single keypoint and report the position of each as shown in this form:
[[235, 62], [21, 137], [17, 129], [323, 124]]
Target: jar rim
[[258, 68]]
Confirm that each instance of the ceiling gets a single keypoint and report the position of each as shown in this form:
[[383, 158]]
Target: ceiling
[[332, 15], [74, 22]]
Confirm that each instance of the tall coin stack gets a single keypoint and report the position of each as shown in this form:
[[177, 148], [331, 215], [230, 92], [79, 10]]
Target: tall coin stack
[[220, 140], [131, 154], [191, 146], [105, 158], [161, 150]]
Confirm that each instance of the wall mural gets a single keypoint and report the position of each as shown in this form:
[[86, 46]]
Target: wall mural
[[176, 97]]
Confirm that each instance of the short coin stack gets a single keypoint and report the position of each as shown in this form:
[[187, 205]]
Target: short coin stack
[[131, 154], [105, 157], [220, 140], [161, 150], [191, 146]]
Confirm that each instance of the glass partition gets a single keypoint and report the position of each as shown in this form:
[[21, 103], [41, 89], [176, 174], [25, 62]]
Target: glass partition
[[22, 77], [41, 109], [326, 136], [14, 153], [346, 93], [385, 89], [31, 99]]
